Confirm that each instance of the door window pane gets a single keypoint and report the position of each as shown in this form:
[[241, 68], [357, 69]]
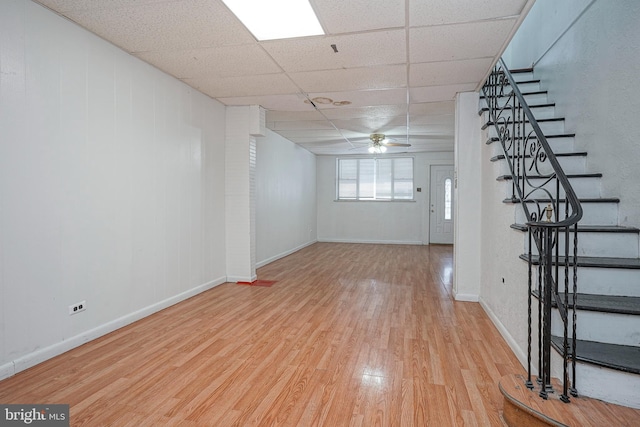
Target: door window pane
[[447, 199]]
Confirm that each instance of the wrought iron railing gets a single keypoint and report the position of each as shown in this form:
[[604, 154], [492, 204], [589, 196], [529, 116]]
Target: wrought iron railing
[[552, 212]]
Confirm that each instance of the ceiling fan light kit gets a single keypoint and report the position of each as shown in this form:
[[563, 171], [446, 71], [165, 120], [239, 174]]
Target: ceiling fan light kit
[[379, 143], [377, 149]]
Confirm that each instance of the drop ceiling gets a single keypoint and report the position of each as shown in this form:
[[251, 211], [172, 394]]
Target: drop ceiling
[[397, 69]]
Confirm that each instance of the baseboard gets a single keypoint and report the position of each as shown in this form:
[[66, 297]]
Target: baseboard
[[7, 370], [377, 242], [466, 297], [511, 342], [244, 279], [283, 254], [39, 356]]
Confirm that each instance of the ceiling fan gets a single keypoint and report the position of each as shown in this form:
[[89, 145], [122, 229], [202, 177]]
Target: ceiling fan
[[379, 143]]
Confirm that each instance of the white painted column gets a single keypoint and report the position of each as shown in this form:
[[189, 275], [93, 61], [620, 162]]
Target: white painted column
[[467, 196], [243, 124]]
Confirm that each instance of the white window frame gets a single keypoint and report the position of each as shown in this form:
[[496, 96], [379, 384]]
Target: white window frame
[[393, 197]]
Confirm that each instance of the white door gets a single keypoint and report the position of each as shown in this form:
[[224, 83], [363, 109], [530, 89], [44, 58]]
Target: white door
[[441, 205]]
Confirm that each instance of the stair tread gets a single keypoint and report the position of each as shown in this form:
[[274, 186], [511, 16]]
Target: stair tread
[[509, 94], [550, 119], [569, 175], [549, 138], [604, 303], [591, 228], [545, 105], [582, 200], [527, 156], [559, 135], [521, 82], [510, 122], [621, 357], [521, 70], [602, 262]]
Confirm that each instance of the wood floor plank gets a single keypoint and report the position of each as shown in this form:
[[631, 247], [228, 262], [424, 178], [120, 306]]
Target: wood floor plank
[[349, 334]]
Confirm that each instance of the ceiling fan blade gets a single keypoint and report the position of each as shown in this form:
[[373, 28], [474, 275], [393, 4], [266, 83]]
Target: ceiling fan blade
[[396, 144]]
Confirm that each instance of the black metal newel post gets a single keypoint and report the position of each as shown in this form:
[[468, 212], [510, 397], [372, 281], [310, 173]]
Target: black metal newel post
[[529, 383]]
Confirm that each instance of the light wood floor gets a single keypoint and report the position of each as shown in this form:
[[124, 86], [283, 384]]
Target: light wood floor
[[349, 335]]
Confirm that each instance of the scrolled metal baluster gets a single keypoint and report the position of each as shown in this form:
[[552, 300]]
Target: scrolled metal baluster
[[536, 173]]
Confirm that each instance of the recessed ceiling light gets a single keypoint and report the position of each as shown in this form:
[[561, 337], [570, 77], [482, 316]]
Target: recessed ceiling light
[[281, 19]]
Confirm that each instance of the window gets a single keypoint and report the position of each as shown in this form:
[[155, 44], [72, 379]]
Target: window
[[375, 179], [447, 199]]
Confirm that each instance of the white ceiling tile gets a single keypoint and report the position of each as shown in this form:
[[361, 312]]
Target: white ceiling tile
[[449, 72], [320, 134], [203, 44], [335, 140], [439, 93], [424, 120], [221, 87], [354, 50], [67, 5], [431, 131], [185, 24], [437, 12], [224, 61], [459, 41], [340, 16], [300, 125], [386, 77], [432, 108], [285, 116], [368, 111], [362, 98], [366, 126], [283, 103]]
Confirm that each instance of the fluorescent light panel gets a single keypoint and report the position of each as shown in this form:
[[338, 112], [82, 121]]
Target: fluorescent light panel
[[276, 19]]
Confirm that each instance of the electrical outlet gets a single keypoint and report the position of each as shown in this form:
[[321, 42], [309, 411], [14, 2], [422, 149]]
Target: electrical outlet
[[78, 307]]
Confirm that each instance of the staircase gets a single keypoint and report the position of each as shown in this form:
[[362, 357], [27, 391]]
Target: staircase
[[607, 259]]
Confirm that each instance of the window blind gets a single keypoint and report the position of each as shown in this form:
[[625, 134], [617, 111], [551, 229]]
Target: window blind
[[375, 179]]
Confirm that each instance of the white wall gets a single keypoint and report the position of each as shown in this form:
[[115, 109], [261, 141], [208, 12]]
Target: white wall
[[546, 23], [467, 196], [503, 278], [591, 72], [372, 221], [240, 189], [111, 187], [286, 214]]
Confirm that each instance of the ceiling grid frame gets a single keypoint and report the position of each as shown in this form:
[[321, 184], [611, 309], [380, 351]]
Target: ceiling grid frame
[[376, 80]]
